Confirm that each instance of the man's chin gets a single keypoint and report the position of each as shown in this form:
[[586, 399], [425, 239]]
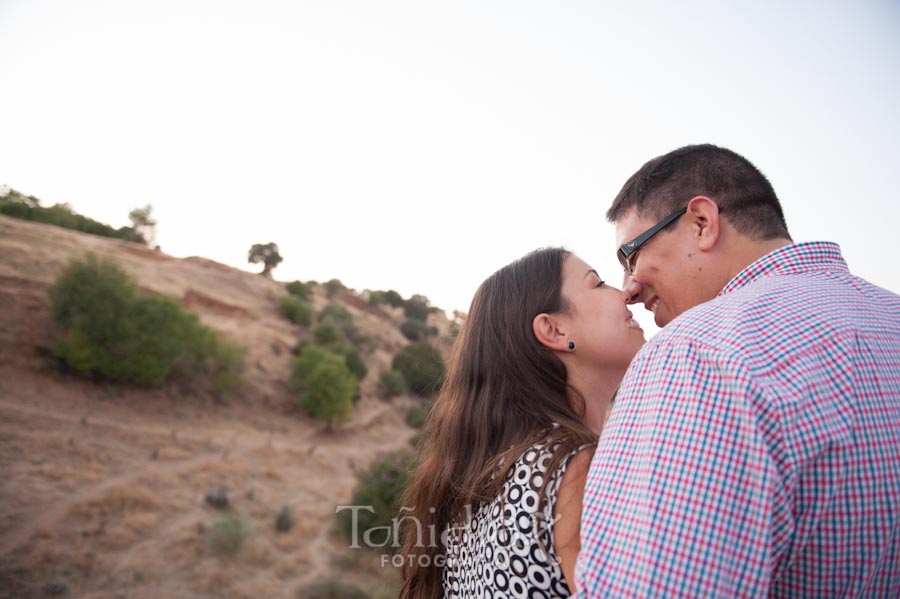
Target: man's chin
[[661, 318]]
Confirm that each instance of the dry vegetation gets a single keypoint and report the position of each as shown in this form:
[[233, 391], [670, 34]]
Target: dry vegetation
[[103, 485]]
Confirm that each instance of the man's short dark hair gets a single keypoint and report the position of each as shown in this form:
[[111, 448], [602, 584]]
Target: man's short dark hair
[[666, 184]]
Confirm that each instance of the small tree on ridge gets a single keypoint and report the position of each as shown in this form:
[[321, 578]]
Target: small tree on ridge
[[268, 254]]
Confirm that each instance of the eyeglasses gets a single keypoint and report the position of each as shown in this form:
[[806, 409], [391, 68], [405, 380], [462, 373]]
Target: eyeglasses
[[628, 251]]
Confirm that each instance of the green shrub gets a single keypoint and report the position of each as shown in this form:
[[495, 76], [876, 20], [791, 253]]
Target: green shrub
[[416, 415], [299, 289], [16, 205], [338, 313], [393, 298], [380, 486], [324, 384], [354, 360], [113, 333], [416, 308], [376, 298], [422, 368], [327, 332], [336, 332], [333, 286], [227, 534], [341, 317], [331, 589], [296, 310], [284, 521], [416, 330], [210, 361], [392, 383], [347, 333], [88, 287], [300, 346], [158, 331]]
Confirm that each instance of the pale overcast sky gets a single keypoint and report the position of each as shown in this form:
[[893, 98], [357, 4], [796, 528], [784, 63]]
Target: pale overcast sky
[[420, 146]]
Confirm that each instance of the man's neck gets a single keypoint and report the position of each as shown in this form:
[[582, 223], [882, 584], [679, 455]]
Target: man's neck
[[746, 253]]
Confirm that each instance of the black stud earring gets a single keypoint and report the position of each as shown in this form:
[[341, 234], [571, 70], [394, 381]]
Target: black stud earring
[[571, 345]]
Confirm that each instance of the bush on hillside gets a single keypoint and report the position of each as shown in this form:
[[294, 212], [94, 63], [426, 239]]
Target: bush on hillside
[[333, 286], [324, 384], [157, 339], [393, 298], [389, 297], [379, 486], [227, 534], [295, 309], [392, 383], [113, 333], [211, 361], [299, 289], [327, 332], [301, 344], [347, 332], [353, 359], [92, 289], [422, 367], [338, 313], [416, 330], [416, 416], [416, 308], [23, 207]]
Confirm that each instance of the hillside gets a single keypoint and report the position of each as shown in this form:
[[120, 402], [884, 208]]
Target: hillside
[[103, 484]]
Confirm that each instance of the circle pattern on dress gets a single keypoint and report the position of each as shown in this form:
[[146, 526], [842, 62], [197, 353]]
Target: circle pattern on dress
[[506, 550]]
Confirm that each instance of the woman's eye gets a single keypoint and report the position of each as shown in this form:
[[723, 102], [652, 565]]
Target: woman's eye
[[602, 283]]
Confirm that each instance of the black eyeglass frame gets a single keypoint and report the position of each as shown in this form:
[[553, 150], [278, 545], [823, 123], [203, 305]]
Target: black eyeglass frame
[[629, 248]]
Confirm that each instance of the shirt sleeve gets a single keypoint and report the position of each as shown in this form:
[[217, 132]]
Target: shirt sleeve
[[680, 499]]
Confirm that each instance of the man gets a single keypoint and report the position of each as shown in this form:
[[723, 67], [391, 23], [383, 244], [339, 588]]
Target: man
[[754, 450]]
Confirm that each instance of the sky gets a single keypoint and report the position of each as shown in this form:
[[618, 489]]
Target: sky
[[420, 146]]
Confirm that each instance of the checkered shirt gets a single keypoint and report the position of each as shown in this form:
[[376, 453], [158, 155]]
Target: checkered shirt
[[754, 448]]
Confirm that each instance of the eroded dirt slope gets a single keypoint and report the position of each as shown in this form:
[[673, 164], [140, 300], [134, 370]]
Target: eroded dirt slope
[[103, 485]]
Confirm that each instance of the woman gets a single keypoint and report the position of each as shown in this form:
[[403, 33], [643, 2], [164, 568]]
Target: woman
[[507, 446]]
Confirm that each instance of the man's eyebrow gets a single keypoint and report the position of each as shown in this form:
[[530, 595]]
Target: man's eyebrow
[[591, 271]]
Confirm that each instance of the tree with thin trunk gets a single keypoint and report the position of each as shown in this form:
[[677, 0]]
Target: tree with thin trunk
[[267, 253], [144, 223]]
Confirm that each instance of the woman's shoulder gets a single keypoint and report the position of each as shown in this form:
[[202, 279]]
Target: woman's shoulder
[[541, 466], [541, 454]]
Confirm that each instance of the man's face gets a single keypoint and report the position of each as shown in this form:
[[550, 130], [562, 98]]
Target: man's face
[[666, 269]]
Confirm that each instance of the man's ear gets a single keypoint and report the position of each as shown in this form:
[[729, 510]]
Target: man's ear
[[548, 333], [704, 218]]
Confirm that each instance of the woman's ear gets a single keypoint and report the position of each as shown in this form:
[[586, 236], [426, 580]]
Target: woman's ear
[[547, 332]]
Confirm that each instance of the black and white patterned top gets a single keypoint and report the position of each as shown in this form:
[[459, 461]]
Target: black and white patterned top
[[505, 548]]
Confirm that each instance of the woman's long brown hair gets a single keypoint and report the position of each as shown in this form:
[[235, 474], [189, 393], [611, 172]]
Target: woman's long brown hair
[[503, 391]]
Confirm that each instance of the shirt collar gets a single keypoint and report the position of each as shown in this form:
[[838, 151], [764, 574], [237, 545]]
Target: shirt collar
[[794, 258]]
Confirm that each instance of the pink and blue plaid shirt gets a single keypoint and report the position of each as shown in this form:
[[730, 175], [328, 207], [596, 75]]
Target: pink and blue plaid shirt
[[754, 449]]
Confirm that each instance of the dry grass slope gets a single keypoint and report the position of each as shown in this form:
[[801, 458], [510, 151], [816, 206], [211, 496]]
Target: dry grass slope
[[103, 485]]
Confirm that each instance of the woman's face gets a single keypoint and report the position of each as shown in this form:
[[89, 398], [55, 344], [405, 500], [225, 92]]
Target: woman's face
[[598, 319]]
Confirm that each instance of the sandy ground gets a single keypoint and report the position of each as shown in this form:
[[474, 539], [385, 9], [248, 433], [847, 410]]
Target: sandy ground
[[102, 486]]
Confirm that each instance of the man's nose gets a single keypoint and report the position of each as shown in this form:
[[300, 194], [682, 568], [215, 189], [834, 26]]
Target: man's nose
[[632, 289]]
